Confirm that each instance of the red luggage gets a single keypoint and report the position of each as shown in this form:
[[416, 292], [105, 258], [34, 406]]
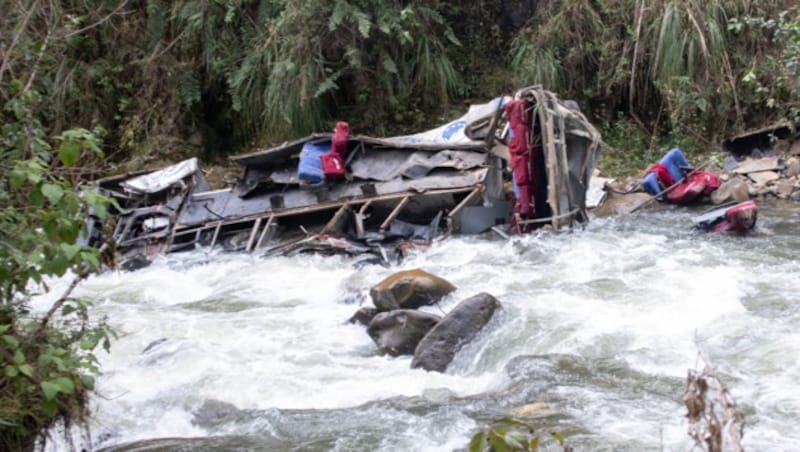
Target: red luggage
[[332, 166]]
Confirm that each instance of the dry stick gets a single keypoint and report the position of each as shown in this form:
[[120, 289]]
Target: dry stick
[[668, 189]]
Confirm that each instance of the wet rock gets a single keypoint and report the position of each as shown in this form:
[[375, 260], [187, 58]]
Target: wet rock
[[763, 177], [154, 344], [134, 262], [398, 332], [795, 149], [784, 188], [438, 348], [792, 167], [619, 204], [763, 191], [363, 316], [795, 196], [732, 190], [751, 165], [409, 290], [533, 410], [213, 411]]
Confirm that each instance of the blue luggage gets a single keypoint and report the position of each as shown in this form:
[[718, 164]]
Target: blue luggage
[[309, 170]]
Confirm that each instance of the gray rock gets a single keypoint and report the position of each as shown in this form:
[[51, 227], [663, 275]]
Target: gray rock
[[154, 344], [792, 167], [409, 290], [764, 177], [213, 411], [398, 332], [784, 188], [460, 326], [732, 190], [620, 204], [795, 196], [364, 316]]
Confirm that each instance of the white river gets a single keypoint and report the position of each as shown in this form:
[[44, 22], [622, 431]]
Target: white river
[[612, 317]]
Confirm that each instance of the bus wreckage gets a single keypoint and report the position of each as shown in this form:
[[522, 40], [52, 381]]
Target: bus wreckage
[[514, 164]]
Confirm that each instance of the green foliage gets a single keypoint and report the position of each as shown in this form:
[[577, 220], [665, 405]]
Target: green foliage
[[695, 71], [773, 81], [46, 364], [369, 56], [510, 434]]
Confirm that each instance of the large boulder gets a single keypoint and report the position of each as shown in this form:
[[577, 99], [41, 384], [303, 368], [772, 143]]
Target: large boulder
[[620, 204], [456, 329], [409, 290], [398, 332], [732, 190]]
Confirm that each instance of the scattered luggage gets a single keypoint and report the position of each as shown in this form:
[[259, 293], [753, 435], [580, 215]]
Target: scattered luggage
[[733, 217]]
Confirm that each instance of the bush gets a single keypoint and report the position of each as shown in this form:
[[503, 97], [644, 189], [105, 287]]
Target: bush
[[47, 363]]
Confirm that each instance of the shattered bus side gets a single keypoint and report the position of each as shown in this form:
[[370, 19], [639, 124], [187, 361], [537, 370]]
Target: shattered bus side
[[396, 193]]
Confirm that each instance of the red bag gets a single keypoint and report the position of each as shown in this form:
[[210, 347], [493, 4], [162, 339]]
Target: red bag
[[332, 166]]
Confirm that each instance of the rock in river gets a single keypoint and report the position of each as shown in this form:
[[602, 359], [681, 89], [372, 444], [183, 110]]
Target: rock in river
[[398, 332], [363, 316], [456, 329], [409, 290]]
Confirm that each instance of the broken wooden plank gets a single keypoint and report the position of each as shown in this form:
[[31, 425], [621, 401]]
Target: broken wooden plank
[[360, 217], [395, 213], [465, 201], [335, 218], [253, 233], [758, 165], [264, 232]]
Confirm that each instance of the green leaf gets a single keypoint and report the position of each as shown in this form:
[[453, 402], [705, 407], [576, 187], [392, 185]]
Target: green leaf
[[516, 440], [559, 437], [88, 343], [512, 421], [70, 250], [11, 341], [90, 259], [11, 371], [389, 65], [52, 192], [50, 389], [19, 357], [26, 369], [534, 444], [497, 440], [477, 442], [69, 152], [4, 328], [17, 178], [49, 407], [88, 382], [65, 384]]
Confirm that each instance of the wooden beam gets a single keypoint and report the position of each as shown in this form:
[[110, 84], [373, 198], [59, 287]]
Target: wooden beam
[[253, 233], [264, 232], [216, 233], [335, 218], [395, 213], [359, 217], [464, 202]]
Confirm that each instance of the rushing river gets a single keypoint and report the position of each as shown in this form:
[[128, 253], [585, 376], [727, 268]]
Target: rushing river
[[598, 329]]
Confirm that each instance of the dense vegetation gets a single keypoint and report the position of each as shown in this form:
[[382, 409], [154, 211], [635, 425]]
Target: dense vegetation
[[46, 362], [161, 79], [176, 77]]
